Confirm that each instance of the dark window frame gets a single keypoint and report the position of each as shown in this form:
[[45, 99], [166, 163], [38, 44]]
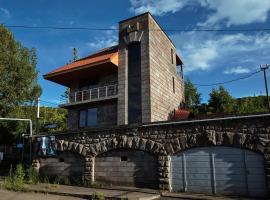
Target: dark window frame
[[173, 82], [172, 56], [86, 118]]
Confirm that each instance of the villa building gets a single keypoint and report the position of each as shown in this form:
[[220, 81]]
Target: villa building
[[140, 80]]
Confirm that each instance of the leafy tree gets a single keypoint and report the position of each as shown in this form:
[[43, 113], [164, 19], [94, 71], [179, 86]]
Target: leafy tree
[[250, 104], [18, 82], [192, 97], [221, 101], [18, 77]]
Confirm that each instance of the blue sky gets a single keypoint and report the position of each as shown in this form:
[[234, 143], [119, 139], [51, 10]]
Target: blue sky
[[209, 57]]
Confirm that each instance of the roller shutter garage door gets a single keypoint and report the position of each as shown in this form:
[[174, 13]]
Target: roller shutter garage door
[[219, 170]]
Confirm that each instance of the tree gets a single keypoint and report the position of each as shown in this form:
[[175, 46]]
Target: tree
[[18, 82], [192, 96], [221, 101], [64, 97], [18, 77]]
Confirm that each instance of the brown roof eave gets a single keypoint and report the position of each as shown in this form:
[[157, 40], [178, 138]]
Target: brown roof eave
[[47, 76]]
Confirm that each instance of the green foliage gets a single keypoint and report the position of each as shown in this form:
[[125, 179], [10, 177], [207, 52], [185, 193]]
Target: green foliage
[[15, 180], [32, 175], [192, 97], [18, 82], [221, 101], [53, 116], [97, 196], [250, 104], [18, 77]]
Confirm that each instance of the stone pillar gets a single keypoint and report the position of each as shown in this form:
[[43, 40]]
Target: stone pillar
[[163, 172], [89, 170]]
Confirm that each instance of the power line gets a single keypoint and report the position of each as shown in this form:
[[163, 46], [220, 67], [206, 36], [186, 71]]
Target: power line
[[116, 29], [229, 81]]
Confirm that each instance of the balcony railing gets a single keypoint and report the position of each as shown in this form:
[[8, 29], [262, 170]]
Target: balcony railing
[[93, 94]]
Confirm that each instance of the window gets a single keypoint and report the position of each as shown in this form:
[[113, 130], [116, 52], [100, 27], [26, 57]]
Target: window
[[134, 83], [82, 118], [92, 117], [88, 117], [124, 158], [173, 84], [172, 55]]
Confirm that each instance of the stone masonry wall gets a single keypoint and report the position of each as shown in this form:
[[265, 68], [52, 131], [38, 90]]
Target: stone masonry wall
[[162, 72], [251, 133]]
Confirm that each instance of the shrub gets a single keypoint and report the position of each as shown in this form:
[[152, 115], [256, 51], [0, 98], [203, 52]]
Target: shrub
[[15, 180], [32, 176], [97, 196]]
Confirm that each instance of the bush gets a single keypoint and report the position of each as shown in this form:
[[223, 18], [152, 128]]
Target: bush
[[32, 176], [97, 196], [15, 180]]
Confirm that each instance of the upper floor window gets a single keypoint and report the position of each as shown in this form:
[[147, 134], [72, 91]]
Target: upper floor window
[[172, 56], [173, 83], [88, 118]]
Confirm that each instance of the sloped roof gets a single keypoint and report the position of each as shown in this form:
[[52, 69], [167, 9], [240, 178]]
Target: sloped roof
[[109, 54]]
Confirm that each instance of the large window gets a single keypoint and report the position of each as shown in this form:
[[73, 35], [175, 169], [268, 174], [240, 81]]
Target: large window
[[92, 117], [88, 118], [82, 118], [134, 83]]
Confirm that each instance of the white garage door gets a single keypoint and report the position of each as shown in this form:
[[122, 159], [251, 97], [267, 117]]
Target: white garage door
[[218, 170]]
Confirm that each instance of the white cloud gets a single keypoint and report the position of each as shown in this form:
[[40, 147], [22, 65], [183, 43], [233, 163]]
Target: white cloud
[[102, 42], [4, 13], [236, 12], [208, 51], [230, 12], [237, 70], [157, 7], [110, 38]]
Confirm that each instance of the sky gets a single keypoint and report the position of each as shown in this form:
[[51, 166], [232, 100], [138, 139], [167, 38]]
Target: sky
[[209, 57]]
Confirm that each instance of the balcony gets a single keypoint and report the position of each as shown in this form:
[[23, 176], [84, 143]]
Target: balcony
[[92, 95]]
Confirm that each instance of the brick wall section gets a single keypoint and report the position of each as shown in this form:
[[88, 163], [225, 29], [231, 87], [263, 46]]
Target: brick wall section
[[123, 71], [162, 71], [164, 140], [157, 72]]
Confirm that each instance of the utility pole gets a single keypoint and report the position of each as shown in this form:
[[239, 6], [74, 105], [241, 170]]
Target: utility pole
[[264, 68], [37, 119]]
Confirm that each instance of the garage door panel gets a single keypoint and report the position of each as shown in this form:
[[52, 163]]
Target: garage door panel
[[193, 158], [199, 189], [228, 158], [197, 164], [223, 170], [198, 176], [202, 170], [234, 177]]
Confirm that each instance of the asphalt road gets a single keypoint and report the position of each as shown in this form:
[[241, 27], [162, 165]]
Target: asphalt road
[[9, 195]]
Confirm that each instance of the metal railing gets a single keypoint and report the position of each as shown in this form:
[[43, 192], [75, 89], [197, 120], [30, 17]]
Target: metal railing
[[93, 94]]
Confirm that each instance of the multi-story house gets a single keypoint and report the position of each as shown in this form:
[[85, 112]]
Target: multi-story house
[[140, 80]]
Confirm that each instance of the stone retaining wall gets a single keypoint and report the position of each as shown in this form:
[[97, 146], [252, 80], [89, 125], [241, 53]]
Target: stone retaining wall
[[251, 133]]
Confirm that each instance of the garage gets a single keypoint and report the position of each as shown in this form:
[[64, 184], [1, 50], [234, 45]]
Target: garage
[[218, 170], [127, 168]]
